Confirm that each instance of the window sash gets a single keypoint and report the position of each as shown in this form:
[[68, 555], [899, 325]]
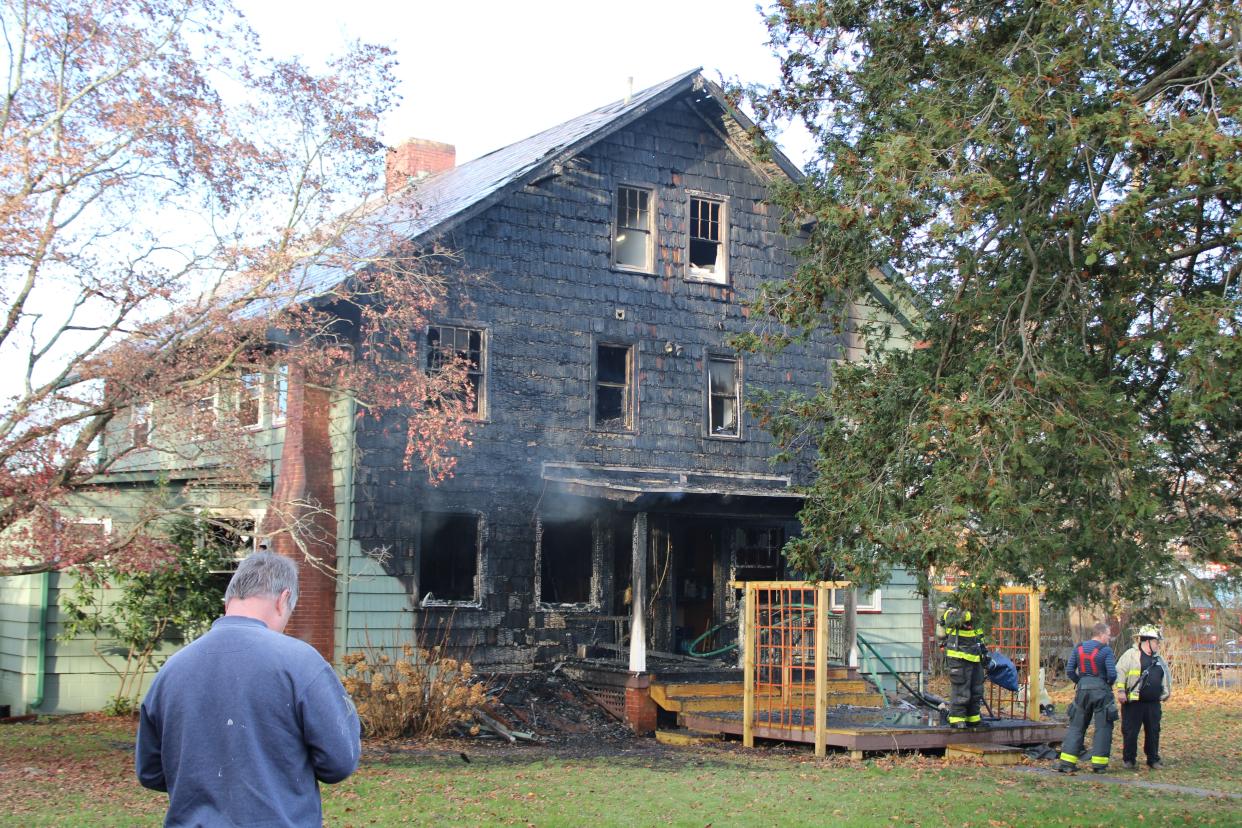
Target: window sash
[[705, 254], [614, 386], [631, 242], [869, 602], [724, 399], [446, 343]]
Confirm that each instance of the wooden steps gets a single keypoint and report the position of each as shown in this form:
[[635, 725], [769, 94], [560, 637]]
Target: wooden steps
[[722, 692], [681, 737], [989, 754]]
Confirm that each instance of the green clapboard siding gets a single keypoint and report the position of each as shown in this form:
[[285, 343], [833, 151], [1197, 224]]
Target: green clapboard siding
[[896, 631]]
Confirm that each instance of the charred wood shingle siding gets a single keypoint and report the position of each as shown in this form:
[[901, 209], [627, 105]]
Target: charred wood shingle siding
[[544, 288]]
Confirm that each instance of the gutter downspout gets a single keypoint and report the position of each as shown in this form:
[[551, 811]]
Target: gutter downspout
[[41, 653]]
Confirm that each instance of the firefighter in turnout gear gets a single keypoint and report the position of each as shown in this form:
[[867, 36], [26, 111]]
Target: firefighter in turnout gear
[[1093, 668], [1143, 682], [966, 656]]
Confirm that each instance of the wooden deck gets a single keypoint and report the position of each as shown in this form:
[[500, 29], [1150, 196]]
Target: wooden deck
[[857, 736]]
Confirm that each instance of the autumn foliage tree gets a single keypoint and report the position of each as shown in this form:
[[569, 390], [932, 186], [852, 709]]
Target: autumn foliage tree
[[1062, 185], [179, 211]]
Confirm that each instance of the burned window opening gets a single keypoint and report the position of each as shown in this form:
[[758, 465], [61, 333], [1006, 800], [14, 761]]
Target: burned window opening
[[140, 424], [724, 397], [446, 343], [566, 561], [613, 391], [448, 557], [760, 548], [631, 243], [706, 256]]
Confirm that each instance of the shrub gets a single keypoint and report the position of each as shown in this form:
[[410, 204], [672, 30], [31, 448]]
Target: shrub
[[422, 693]]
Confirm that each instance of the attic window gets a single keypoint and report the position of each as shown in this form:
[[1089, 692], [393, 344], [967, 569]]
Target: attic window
[[631, 241], [706, 257], [140, 424]]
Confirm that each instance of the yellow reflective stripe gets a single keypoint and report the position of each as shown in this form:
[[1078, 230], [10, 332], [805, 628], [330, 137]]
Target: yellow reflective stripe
[[961, 633], [1134, 696], [1099, 760], [961, 655], [1065, 757], [974, 718], [1134, 672], [956, 719]]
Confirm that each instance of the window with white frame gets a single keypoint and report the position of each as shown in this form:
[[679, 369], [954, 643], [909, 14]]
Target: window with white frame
[[708, 240], [446, 343], [724, 396], [280, 394], [140, 424], [633, 239], [249, 400], [864, 601]]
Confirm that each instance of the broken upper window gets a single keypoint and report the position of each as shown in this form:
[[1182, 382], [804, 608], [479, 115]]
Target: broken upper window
[[280, 393], [566, 561], [631, 241], [250, 399], [614, 387], [724, 397], [448, 557], [706, 257], [140, 424], [446, 343]]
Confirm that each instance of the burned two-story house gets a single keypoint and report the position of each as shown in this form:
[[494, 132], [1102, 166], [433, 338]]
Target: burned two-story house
[[616, 484]]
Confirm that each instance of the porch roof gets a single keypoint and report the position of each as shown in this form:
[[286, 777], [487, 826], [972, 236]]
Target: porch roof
[[640, 486]]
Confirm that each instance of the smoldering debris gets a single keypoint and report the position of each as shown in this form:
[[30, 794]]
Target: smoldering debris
[[542, 708]]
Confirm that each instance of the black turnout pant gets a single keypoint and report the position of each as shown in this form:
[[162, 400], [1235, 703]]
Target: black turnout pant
[[1144, 715], [1093, 704], [965, 691]]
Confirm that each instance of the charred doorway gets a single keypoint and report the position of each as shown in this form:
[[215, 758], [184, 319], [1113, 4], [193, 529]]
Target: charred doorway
[[687, 575]]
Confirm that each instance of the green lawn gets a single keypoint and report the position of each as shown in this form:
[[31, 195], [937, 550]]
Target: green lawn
[[78, 771]]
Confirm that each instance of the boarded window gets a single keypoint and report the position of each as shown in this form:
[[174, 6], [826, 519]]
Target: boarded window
[[566, 555], [448, 557], [724, 400], [613, 387], [706, 256], [631, 244], [446, 343]]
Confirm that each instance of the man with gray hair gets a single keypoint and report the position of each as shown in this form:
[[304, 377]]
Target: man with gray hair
[[241, 725]]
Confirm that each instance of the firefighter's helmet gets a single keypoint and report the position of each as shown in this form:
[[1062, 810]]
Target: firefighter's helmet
[[1150, 631]]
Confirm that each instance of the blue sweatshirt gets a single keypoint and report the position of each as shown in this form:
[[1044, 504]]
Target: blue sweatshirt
[[1105, 662], [241, 725]]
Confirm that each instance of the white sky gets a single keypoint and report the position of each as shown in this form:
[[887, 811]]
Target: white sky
[[481, 74]]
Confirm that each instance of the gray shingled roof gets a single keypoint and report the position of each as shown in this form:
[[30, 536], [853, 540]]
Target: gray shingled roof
[[445, 199]]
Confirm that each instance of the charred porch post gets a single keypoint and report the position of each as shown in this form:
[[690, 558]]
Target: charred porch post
[[638, 593]]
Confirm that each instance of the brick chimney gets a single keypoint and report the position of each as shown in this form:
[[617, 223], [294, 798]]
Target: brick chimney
[[415, 159]]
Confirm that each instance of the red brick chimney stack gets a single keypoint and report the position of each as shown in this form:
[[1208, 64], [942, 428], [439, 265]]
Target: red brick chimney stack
[[417, 159]]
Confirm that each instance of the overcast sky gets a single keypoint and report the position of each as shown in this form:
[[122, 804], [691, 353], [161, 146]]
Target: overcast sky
[[481, 74]]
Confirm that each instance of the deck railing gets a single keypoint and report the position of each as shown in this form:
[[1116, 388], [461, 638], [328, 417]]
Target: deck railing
[[789, 633]]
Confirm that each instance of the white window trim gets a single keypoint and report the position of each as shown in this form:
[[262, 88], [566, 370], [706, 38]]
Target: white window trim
[[480, 544], [722, 277], [269, 408], [596, 602], [134, 421], [652, 247], [875, 605], [261, 403], [707, 394]]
